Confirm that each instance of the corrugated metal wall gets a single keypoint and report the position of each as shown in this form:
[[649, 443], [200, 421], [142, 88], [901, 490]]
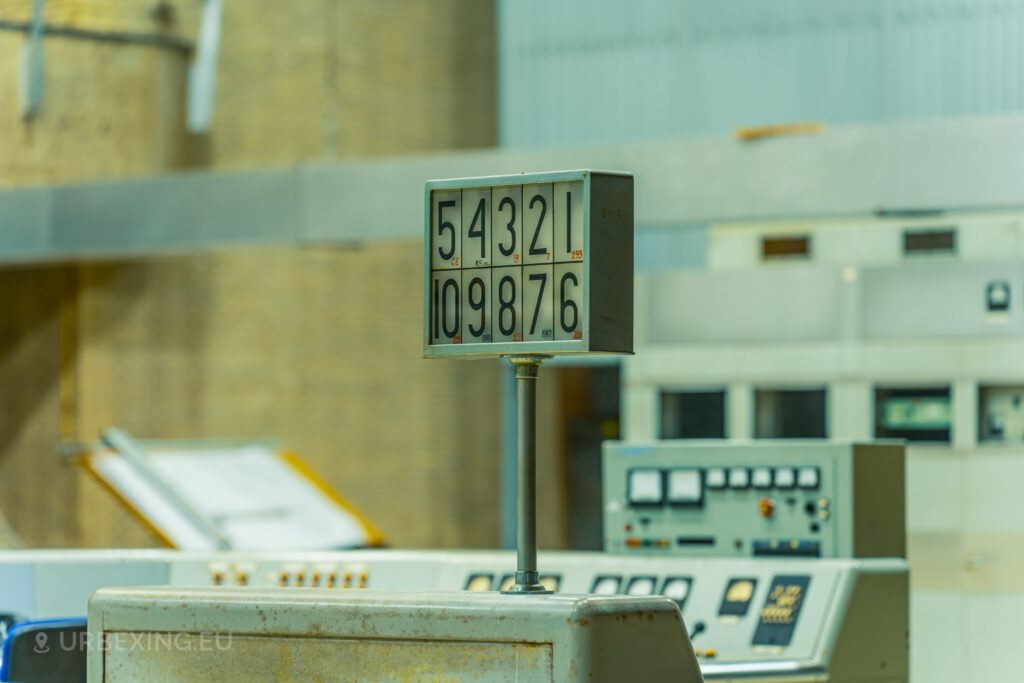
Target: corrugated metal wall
[[577, 71]]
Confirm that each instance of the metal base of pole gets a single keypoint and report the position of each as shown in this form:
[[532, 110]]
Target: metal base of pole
[[527, 578]]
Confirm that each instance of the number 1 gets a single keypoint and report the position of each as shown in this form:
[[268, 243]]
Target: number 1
[[568, 222]]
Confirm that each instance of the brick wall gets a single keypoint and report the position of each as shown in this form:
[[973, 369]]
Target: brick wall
[[319, 346]]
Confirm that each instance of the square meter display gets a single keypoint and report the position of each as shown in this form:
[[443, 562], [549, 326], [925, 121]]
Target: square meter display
[[529, 264]]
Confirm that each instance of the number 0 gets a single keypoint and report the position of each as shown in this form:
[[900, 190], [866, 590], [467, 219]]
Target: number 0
[[454, 287]]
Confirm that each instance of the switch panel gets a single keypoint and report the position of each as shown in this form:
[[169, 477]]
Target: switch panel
[[781, 610], [805, 499]]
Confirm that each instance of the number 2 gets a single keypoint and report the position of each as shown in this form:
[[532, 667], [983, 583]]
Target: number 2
[[534, 250]]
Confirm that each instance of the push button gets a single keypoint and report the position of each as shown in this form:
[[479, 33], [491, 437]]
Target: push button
[[739, 478], [762, 477], [808, 478], [715, 478], [785, 477]]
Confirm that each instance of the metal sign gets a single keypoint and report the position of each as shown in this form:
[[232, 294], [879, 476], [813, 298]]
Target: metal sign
[[529, 264]]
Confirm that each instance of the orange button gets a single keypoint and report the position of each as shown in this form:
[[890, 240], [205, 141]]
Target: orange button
[[710, 653], [766, 506], [634, 542]]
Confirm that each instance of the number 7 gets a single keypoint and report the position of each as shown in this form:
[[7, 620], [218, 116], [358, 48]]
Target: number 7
[[543, 277]]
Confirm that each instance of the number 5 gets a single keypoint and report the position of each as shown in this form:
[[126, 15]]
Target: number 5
[[445, 225]]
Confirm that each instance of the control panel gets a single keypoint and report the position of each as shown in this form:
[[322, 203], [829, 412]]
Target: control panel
[[775, 499], [772, 618]]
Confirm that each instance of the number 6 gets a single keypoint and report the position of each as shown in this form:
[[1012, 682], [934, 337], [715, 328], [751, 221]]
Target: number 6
[[568, 304]]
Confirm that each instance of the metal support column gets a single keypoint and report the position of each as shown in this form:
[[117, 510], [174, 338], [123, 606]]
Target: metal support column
[[527, 577]]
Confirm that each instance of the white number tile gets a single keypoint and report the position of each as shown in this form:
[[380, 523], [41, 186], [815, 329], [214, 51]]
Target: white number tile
[[476, 306], [476, 228], [538, 321], [446, 230], [567, 296], [568, 222], [507, 226], [507, 304], [445, 305], [537, 224]]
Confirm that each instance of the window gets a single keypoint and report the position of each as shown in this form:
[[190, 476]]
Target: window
[[792, 247], [693, 414], [913, 413], [929, 241], [1001, 414], [790, 414]]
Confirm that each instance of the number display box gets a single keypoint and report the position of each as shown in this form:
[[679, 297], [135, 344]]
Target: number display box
[[537, 263]]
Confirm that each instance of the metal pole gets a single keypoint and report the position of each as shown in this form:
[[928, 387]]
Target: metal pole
[[509, 478], [527, 577]]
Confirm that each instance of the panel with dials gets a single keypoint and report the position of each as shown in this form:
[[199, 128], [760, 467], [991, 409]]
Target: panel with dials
[[770, 499]]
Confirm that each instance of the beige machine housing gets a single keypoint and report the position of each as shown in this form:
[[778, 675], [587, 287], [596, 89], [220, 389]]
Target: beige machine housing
[[236, 634]]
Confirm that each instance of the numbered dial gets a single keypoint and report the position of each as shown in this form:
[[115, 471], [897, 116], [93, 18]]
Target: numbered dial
[[507, 264]]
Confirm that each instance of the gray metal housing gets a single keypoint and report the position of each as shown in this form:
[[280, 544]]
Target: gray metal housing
[[607, 311], [861, 486]]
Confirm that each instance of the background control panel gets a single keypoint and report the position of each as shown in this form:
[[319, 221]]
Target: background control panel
[[779, 499]]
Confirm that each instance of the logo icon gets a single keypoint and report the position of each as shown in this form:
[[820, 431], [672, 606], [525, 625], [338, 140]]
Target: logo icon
[[41, 647]]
